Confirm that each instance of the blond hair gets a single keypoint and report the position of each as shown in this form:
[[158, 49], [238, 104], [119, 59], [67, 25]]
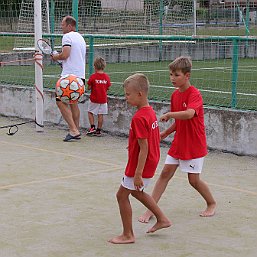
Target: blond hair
[[138, 81], [99, 63], [182, 63]]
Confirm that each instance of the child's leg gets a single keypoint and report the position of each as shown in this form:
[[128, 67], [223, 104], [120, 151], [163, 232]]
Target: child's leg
[[127, 236], [100, 121], [150, 203], [160, 186], [91, 118], [203, 189]]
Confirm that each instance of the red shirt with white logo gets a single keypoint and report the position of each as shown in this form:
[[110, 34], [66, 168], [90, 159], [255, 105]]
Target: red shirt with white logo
[[190, 139], [100, 83], [144, 125]]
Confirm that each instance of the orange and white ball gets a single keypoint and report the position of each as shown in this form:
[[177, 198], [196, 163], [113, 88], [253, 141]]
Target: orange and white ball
[[70, 89]]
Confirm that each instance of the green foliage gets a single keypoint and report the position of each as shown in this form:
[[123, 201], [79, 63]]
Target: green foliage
[[10, 8]]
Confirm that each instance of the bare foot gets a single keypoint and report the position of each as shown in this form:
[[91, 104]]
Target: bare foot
[[209, 212], [122, 240], [145, 217], [159, 225]]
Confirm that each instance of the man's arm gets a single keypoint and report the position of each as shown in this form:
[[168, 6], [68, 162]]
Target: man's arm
[[63, 55]]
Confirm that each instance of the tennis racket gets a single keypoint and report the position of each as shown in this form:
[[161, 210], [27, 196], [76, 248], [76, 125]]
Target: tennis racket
[[45, 48]]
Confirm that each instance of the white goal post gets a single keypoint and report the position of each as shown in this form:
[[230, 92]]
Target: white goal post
[[38, 68], [194, 16]]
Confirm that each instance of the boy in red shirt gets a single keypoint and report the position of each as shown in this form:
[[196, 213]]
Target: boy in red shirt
[[143, 158], [189, 146], [98, 83]]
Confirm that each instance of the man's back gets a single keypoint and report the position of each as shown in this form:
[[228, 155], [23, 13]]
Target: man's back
[[76, 62]]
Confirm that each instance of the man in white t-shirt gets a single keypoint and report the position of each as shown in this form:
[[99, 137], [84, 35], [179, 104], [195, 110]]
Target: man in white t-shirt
[[73, 58]]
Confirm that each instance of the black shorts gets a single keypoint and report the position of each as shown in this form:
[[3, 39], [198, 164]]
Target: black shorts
[[59, 100]]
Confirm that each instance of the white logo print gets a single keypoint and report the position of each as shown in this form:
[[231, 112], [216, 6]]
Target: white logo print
[[155, 124], [101, 81]]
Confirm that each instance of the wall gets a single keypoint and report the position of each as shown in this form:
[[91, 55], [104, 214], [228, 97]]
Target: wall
[[227, 130], [121, 4], [149, 51]]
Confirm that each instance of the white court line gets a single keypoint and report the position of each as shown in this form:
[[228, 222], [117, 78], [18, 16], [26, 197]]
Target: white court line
[[51, 76], [44, 181], [58, 153], [47, 180], [114, 168], [194, 69], [144, 42], [198, 69], [204, 90], [223, 186]]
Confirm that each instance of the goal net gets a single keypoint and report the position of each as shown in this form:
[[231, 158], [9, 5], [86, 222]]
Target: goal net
[[126, 33], [26, 24], [137, 16], [167, 17]]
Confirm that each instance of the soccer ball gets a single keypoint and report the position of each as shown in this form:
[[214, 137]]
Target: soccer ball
[[69, 89]]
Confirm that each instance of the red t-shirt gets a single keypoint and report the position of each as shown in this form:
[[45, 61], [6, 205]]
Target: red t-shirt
[[100, 83], [190, 139], [144, 125]]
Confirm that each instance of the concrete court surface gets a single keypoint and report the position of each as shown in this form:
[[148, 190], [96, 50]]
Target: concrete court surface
[[58, 200]]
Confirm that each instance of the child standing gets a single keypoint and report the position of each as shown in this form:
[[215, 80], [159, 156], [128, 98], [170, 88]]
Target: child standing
[[98, 83], [189, 146], [143, 157]]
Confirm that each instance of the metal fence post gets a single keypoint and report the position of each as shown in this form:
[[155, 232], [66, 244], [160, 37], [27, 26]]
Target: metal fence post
[[234, 73]]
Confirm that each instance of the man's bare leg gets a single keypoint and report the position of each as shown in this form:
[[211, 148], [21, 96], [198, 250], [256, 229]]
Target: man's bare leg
[[75, 114], [67, 115], [160, 186], [127, 237], [203, 189], [150, 203]]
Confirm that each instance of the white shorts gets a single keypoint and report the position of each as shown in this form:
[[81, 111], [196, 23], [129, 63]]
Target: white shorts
[[189, 166], [96, 108], [128, 182]]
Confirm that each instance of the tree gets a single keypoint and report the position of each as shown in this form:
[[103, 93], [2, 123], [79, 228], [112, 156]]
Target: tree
[[10, 8]]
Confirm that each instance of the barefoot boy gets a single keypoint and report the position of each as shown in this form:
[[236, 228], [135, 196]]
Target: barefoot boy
[[189, 146], [143, 157]]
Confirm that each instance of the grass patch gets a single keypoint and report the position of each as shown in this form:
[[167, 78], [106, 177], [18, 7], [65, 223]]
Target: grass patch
[[213, 78]]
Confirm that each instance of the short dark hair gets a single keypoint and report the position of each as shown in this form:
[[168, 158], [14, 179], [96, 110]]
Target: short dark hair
[[70, 21], [182, 63]]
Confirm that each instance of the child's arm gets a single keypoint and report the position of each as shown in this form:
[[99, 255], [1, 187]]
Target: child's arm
[[182, 115], [90, 82], [168, 131], [143, 145]]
